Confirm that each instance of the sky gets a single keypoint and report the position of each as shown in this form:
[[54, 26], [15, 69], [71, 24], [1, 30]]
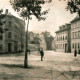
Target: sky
[[56, 17]]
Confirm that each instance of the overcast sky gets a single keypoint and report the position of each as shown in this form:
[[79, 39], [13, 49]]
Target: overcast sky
[[56, 17]]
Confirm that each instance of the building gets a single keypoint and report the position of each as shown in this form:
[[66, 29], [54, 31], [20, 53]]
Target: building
[[63, 38], [12, 39], [75, 34]]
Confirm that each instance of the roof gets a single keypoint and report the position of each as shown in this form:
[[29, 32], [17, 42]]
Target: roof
[[75, 19], [66, 28], [21, 22]]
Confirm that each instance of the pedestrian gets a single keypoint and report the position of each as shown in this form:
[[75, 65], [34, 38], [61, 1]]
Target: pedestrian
[[75, 52], [42, 54]]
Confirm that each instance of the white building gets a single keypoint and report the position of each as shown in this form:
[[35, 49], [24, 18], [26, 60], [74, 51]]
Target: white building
[[75, 34], [13, 39], [63, 38]]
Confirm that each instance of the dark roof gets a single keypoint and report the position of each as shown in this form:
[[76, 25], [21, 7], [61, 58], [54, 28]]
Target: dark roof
[[66, 29]]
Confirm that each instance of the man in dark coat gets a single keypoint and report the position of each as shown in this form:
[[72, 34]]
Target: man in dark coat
[[75, 52], [42, 54]]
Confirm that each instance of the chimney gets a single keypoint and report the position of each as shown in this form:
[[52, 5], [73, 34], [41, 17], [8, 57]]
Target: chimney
[[6, 12]]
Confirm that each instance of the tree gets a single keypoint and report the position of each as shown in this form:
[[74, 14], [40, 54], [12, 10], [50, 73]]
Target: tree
[[48, 39], [74, 6], [27, 8], [2, 16]]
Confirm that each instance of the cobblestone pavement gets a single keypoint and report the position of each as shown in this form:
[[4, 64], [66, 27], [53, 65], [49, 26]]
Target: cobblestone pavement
[[56, 66]]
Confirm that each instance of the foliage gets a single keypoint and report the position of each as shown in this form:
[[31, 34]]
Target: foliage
[[1, 20], [27, 8], [48, 39], [74, 6]]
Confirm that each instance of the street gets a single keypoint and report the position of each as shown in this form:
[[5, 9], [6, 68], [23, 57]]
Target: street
[[56, 66]]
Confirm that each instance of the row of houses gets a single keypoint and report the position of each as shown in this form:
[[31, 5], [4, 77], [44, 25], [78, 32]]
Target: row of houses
[[12, 39], [68, 36]]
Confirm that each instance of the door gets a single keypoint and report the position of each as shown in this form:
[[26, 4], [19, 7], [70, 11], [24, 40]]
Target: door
[[65, 48], [9, 47]]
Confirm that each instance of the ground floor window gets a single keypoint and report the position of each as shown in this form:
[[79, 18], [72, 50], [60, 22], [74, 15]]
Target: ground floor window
[[76, 45], [0, 36], [0, 47], [73, 45]]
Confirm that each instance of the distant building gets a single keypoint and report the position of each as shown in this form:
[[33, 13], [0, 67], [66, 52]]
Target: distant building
[[63, 38], [13, 39], [75, 34]]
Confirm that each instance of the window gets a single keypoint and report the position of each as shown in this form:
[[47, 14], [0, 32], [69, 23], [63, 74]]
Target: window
[[66, 37], [78, 45], [73, 35], [0, 36], [9, 23], [63, 46], [63, 38], [0, 47], [78, 34], [73, 45], [9, 35]]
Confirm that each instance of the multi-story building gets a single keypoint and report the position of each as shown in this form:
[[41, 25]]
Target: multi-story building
[[63, 38], [75, 34], [13, 39]]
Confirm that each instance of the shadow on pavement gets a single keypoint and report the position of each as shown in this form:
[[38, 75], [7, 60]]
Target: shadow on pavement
[[21, 66]]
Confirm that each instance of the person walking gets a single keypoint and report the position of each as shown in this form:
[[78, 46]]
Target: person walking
[[42, 54], [75, 52]]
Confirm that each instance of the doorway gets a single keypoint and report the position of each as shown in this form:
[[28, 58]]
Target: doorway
[[65, 48], [9, 47]]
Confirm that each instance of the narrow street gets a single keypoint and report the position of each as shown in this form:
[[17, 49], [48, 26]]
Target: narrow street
[[56, 66]]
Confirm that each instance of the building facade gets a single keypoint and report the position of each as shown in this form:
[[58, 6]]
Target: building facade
[[63, 38], [75, 34], [13, 39]]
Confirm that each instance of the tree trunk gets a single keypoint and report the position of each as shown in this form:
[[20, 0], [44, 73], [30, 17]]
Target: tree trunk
[[26, 51]]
